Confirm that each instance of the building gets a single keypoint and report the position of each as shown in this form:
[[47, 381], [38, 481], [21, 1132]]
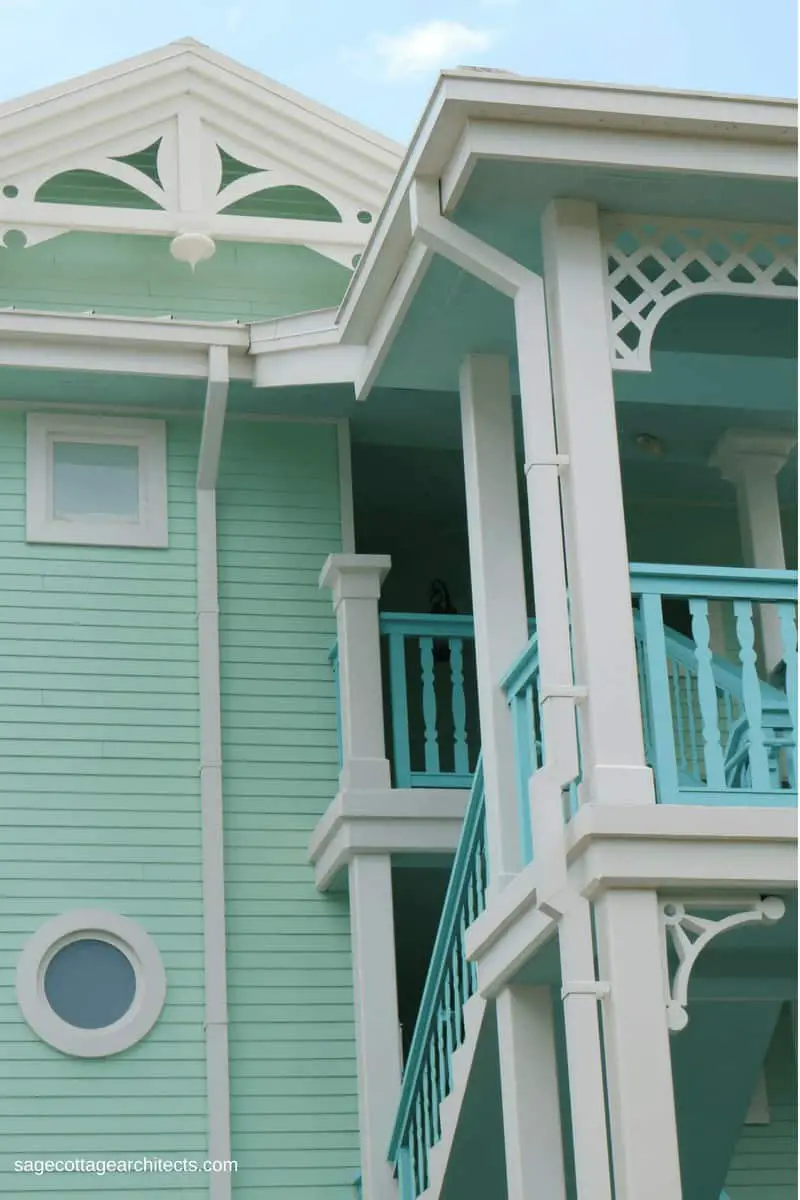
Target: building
[[397, 641]]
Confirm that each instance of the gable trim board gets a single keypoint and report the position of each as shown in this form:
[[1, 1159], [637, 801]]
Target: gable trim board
[[197, 106]]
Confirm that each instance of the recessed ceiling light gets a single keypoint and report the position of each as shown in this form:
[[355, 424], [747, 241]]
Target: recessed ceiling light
[[651, 445]]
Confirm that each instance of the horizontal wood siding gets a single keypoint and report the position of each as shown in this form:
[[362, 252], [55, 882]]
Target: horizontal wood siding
[[130, 275], [99, 807], [764, 1165], [293, 1075]]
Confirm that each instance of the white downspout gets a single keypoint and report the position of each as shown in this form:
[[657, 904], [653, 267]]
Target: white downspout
[[214, 946], [559, 693], [542, 467]]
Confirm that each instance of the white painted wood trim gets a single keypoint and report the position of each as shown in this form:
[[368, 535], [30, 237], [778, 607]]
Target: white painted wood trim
[[211, 793], [529, 1086], [346, 506], [376, 1017], [131, 940], [391, 821], [148, 437], [213, 417], [622, 149]]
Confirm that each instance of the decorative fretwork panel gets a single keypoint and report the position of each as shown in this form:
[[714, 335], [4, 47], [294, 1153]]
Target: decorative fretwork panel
[[186, 173], [654, 263]]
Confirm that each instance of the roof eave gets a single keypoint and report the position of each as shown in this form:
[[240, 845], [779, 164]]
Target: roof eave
[[470, 95]]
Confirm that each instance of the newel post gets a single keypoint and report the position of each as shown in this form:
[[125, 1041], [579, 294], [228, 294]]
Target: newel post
[[355, 580]]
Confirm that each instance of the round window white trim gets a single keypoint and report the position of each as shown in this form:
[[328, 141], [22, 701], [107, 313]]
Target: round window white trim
[[128, 937]]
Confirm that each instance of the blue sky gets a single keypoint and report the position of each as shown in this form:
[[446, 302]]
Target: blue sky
[[377, 62]]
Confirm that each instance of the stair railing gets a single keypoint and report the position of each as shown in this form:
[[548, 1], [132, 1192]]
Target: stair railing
[[439, 1029]]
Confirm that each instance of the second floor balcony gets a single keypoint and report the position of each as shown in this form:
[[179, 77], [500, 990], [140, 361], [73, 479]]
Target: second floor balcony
[[716, 652]]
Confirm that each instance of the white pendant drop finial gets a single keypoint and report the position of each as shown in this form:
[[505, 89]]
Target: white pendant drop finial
[[192, 248]]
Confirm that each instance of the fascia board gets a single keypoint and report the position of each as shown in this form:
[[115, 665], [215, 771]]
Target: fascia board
[[625, 149]]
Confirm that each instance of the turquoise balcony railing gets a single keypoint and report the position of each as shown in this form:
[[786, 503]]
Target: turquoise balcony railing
[[717, 729], [521, 687], [432, 699], [439, 1030]]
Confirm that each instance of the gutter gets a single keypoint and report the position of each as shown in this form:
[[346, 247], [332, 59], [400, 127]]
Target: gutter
[[214, 945]]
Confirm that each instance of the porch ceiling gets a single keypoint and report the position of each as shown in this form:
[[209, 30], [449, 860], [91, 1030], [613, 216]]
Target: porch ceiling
[[453, 314]]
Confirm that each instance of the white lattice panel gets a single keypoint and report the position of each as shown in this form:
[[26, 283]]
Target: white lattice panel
[[654, 263]]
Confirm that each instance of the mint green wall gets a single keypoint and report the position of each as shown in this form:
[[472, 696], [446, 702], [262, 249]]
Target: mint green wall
[[128, 275], [764, 1164], [99, 807], [293, 1084]]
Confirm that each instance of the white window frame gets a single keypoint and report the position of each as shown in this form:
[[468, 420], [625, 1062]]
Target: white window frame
[[128, 937], [150, 439]]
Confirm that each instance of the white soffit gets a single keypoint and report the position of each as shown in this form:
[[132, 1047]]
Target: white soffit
[[476, 113]]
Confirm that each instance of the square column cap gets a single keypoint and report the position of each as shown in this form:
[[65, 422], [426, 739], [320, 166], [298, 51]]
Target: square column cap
[[740, 450], [355, 576]]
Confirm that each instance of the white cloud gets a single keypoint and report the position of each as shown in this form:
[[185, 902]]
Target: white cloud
[[429, 47]]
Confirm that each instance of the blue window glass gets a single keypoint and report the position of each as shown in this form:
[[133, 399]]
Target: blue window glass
[[95, 480], [89, 983]]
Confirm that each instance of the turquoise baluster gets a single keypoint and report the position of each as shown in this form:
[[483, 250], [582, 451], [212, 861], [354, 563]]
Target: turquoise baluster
[[459, 707], [679, 715], [449, 1010], [427, 1112], [751, 694], [429, 706], [398, 684], [787, 617], [692, 708], [655, 648], [405, 1174], [421, 1155], [707, 695], [525, 755]]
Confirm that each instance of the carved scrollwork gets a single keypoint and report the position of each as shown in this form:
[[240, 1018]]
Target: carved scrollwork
[[691, 934]]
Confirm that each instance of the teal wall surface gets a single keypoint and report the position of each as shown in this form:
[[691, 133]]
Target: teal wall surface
[[129, 275], [764, 1164], [99, 807], [293, 1080]]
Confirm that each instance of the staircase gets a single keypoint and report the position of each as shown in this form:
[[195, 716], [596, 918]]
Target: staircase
[[448, 1025]]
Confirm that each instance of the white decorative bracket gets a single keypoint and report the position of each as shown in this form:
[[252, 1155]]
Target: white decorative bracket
[[653, 263], [691, 934]]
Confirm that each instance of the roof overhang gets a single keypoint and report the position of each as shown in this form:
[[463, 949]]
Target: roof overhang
[[475, 115], [85, 342]]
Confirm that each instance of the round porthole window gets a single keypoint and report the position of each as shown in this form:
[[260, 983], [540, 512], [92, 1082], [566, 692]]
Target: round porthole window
[[91, 983]]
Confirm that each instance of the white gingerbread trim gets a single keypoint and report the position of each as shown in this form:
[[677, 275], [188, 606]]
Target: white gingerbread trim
[[653, 263], [191, 100], [691, 934], [128, 937]]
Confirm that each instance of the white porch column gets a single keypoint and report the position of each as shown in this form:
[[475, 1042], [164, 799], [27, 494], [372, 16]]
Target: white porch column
[[498, 589], [584, 1052], [597, 556], [356, 583], [376, 1013], [752, 461], [529, 1084], [644, 1137]]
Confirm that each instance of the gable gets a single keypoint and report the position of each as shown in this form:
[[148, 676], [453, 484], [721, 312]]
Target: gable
[[185, 141]]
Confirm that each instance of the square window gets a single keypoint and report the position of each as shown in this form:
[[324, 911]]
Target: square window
[[96, 481]]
